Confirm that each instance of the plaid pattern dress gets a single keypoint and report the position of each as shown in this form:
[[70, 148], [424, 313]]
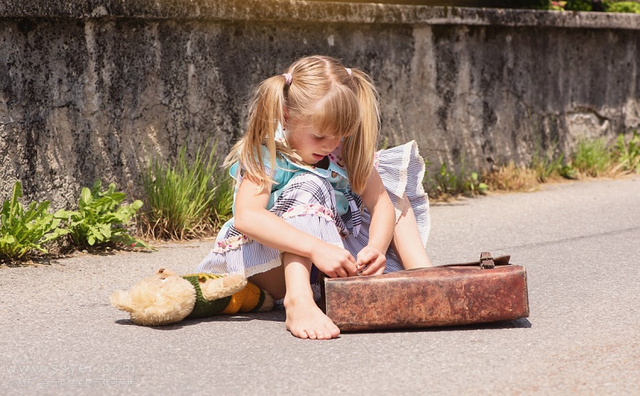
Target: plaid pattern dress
[[319, 202]]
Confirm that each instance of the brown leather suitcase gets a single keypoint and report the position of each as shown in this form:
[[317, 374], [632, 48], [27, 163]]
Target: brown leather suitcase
[[488, 290]]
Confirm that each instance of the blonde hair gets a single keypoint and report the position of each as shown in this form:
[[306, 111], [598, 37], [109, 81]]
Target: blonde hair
[[324, 94]]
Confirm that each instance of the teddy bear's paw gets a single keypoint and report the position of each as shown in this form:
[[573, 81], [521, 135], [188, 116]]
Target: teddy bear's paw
[[120, 299], [215, 289]]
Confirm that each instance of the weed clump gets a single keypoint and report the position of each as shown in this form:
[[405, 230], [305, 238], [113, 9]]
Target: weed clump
[[513, 178], [24, 230], [592, 158], [101, 218], [185, 199]]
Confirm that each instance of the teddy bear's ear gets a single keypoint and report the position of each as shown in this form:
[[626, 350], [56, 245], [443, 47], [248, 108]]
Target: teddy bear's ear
[[120, 299], [165, 273]]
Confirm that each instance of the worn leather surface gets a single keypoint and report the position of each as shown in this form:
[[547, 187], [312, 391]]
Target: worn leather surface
[[436, 296]]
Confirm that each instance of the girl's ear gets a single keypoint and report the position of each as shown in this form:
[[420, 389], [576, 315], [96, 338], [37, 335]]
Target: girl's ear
[[285, 115]]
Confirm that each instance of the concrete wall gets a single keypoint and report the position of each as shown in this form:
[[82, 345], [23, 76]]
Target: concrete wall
[[94, 89]]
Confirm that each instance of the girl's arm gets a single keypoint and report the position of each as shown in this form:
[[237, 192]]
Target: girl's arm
[[254, 220], [383, 220]]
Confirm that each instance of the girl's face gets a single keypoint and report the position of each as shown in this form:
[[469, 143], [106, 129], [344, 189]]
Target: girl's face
[[311, 145]]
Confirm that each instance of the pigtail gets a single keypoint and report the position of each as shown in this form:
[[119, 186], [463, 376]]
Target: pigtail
[[358, 150], [265, 113]]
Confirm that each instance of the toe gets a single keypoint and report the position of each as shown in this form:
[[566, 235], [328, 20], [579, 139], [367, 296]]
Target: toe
[[334, 331]]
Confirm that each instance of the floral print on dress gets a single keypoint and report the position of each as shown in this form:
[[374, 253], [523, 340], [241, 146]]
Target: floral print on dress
[[232, 243], [309, 209]]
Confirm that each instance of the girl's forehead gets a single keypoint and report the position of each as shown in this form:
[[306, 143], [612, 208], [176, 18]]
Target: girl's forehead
[[308, 127], [324, 129]]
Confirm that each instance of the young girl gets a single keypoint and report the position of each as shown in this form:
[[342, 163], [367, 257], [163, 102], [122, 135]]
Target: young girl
[[312, 194]]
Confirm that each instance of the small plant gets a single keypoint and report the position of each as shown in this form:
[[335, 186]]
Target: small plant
[[181, 197], [578, 5], [627, 154], [546, 165], [384, 144], [101, 218], [622, 6], [22, 231], [474, 186], [568, 172], [547, 168], [447, 182], [557, 5], [450, 183], [223, 200], [592, 158]]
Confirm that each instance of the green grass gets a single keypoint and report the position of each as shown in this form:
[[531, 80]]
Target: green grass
[[627, 154], [186, 199], [546, 164], [222, 205], [623, 6], [592, 158], [586, 5]]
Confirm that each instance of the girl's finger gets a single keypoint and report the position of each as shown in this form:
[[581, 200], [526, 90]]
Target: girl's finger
[[341, 272], [375, 268], [365, 258], [351, 268], [370, 270]]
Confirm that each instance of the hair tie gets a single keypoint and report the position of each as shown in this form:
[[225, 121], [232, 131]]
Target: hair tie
[[288, 78], [348, 70]]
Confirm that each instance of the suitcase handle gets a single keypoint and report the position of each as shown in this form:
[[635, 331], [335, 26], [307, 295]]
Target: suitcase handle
[[485, 262]]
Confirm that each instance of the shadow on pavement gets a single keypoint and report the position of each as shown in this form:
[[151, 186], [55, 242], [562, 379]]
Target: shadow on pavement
[[272, 316], [522, 323]]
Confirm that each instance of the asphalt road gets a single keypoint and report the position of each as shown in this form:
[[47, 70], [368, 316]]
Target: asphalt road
[[580, 243]]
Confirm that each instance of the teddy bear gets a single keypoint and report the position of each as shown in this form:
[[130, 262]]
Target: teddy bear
[[166, 297]]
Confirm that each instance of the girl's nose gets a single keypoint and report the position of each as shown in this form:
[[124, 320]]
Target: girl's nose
[[332, 143]]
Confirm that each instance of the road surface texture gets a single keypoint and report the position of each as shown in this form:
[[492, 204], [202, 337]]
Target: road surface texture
[[580, 243]]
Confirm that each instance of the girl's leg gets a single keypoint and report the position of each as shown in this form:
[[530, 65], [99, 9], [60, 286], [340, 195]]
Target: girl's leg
[[302, 189], [407, 242], [304, 318], [271, 281]]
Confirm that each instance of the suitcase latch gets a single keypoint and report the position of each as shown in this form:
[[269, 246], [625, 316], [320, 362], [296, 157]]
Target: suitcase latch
[[486, 261]]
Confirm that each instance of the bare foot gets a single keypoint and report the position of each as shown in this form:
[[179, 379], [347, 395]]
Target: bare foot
[[306, 320]]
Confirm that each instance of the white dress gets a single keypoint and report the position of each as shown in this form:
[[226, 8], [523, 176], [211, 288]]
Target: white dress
[[320, 202]]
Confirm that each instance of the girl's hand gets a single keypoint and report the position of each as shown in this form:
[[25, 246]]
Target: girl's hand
[[334, 261], [371, 261]]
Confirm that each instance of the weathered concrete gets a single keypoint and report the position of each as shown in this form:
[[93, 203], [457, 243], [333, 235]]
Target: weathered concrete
[[93, 89]]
